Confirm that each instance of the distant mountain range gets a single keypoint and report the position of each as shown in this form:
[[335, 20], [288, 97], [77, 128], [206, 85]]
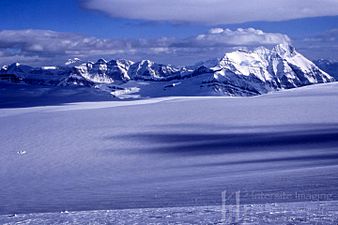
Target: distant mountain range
[[238, 73], [328, 66]]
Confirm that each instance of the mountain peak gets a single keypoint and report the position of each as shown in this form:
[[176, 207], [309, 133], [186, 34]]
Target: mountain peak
[[72, 61], [284, 50], [4, 67], [146, 62], [15, 64], [262, 51]]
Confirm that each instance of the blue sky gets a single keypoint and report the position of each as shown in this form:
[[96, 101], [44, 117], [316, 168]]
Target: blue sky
[[151, 29]]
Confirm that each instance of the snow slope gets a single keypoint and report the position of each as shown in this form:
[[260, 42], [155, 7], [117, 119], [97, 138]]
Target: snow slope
[[181, 151]]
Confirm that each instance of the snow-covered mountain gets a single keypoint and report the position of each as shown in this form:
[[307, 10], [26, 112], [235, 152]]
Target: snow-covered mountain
[[263, 70], [47, 75], [103, 71], [238, 73], [148, 70], [73, 62]]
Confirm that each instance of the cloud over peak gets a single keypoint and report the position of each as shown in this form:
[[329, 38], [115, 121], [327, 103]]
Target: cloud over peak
[[214, 11], [43, 47], [36, 46], [246, 37]]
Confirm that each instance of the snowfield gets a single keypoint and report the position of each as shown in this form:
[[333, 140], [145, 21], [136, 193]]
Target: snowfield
[[319, 213], [147, 156]]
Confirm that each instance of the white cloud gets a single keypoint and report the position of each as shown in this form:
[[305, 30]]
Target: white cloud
[[43, 47], [36, 46], [54, 47], [330, 37], [324, 45], [216, 30], [239, 37], [214, 11]]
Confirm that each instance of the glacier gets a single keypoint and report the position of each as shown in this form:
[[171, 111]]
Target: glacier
[[169, 151]]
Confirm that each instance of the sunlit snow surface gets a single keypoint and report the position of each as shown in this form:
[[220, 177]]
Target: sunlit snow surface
[[172, 152]]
